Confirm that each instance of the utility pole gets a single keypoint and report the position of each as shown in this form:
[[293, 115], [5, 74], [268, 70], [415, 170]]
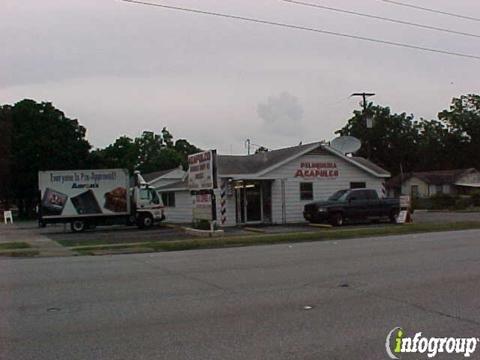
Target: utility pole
[[368, 122], [364, 96]]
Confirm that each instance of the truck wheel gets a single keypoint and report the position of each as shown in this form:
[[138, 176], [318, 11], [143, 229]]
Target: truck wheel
[[77, 226], [131, 220], [336, 219], [146, 221]]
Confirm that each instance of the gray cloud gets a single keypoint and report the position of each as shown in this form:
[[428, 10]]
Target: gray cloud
[[282, 114]]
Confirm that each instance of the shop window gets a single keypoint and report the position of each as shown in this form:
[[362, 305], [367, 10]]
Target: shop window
[[168, 199], [306, 191], [358, 185]]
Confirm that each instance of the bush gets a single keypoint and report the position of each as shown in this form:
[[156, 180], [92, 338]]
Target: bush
[[442, 201], [204, 225], [475, 198], [463, 203], [421, 204]]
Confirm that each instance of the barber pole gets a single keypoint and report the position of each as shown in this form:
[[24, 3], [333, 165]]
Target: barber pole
[[384, 189], [223, 202]]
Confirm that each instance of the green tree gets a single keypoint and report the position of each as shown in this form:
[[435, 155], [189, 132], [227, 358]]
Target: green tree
[[463, 122], [5, 154], [261, 149], [42, 138], [392, 142], [123, 153], [167, 138]]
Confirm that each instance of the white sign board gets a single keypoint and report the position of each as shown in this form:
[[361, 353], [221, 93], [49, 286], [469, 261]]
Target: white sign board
[[402, 217], [73, 193], [405, 201], [201, 171], [202, 207]]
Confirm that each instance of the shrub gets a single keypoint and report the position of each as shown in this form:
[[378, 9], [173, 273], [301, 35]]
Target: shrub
[[442, 201], [475, 198], [204, 225], [463, 203]]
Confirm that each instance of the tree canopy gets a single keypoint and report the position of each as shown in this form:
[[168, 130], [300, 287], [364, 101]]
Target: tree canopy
[[41, 137], [398, 142], [148, 153], [37, 136]]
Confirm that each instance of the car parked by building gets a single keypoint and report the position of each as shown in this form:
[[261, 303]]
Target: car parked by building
[[352, 205]]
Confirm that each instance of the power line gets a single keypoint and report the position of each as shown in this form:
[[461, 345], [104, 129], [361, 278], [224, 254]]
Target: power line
[[432, 10], [423, 26], [304, 28]]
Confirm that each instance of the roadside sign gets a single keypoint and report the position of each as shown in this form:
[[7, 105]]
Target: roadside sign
[[402, 217], [202, 171], [202, 207], [405, 201]]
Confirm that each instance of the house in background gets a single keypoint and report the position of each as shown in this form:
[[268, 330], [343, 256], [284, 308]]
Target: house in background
[[173, 188], [428, 183]]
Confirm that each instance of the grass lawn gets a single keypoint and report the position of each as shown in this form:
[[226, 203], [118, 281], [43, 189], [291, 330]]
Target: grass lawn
[[14, 245], [19, 253], [261, 239]]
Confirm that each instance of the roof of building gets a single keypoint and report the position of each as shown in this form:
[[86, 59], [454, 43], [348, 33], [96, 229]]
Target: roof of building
[[252, 164], [372, 166], [434, 177], [256, 163], [157, 174], [179, 185]]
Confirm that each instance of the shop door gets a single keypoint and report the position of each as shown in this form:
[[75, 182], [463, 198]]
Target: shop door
[[253, 203]]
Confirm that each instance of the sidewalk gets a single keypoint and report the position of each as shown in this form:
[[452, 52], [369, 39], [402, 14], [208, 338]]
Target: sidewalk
[[25, 232]]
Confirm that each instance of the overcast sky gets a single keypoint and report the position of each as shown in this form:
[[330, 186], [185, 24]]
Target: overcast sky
[[121, 68]]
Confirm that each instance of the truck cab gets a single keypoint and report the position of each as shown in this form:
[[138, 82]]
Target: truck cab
[[148, 206]]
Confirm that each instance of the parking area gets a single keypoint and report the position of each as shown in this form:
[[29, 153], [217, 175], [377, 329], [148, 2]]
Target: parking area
[[53, 235]]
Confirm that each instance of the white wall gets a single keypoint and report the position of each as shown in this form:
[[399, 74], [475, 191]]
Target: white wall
[[182, 212], [322, 187]]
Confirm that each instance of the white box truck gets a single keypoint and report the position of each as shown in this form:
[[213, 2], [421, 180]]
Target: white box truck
[[87, 198]]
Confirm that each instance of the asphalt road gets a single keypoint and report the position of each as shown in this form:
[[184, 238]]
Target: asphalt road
[[243, 303]]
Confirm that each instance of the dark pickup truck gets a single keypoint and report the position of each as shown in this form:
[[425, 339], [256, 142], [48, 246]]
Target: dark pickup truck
[[352, 205]]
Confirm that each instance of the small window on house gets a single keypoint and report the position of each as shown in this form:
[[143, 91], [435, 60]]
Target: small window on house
[[358, 185], [168, 199], [439, 189], [414, 191], [306, 191]]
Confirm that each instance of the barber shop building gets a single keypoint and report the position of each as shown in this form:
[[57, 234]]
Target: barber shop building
[[271, 187]]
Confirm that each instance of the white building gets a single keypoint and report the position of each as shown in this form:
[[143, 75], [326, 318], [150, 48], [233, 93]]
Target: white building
[[422, 184], [273, 187]]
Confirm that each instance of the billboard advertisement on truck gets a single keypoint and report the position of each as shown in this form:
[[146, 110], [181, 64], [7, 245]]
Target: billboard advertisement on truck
[[84, 193]]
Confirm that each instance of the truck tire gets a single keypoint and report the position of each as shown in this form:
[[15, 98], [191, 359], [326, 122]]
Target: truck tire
[[77, 226], [336, 219], [145, 221]]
